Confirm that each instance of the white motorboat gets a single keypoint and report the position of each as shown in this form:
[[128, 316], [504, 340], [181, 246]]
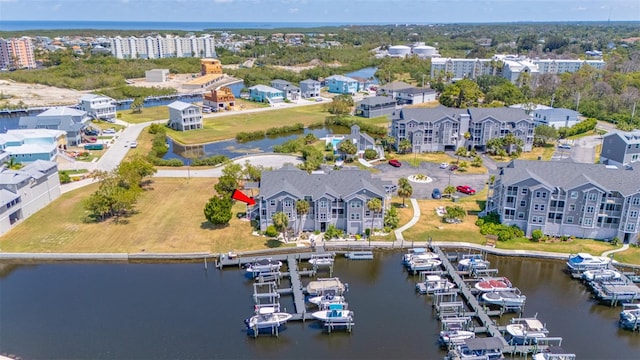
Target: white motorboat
[[337, 312], [504, 298], [584, 261], [263, 266], [493, 284], [321, 285], [489, 348], [423, 264], [327, 297], [526, 331], [630, 316], [434, 284], [321, 260], [554, 353], [601, 275], [472, 263], [359, 255], [418, 253], [455, 337], [267, 318]]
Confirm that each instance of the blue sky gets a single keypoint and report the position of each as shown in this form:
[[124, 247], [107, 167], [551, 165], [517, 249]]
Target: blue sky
[[342, 11]]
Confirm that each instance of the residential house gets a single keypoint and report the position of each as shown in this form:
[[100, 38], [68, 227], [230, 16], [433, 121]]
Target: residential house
[[561, 198], [184, 116], [69, 120], [442, 128], [23, 192], [556, 117], [375, 106], [413, 96], [392, 88], [340, 84], [98, 106], [220, 99], [489, 123], [363, 83], [28, 145], [337, 198], [309, 88], [291, 92], [263, 93], [620, 148]]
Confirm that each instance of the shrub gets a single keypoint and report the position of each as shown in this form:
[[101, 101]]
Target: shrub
[[210, 161], [271, 231], [370, 154], [615, 241], [64, 177], [537, 235], [248, 136]]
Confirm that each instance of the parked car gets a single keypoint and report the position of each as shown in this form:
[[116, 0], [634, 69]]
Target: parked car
[[465, 189], [91, 132], [133, 144], [444, 165], [564, 146], [436, 194], [109, 131], [453, 167], [395, 163]]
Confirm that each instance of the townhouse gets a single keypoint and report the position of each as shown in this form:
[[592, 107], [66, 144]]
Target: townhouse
[[620, 148], [336, 198], [98, 106]]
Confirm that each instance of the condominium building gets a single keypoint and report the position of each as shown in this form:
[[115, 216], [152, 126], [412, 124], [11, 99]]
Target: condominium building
[[162, 47], [443, 128], [508, 66], [621, 148], [560, 198], [17, 53]]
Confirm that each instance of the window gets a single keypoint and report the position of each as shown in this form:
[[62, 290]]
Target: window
[[523, 203], [635, 201], [355, 216], [322, 217], [633, 213], [631, 227], [586, 222], [574, 194], [523, 191], [569, 219], [593, 196], [288, 203], [572, 207], [520, 215], [542, 206], [367, 213], [590, 209], [272, 203], [538, 194], [323, 203], [356, 204], [544, 195], [536, 207]]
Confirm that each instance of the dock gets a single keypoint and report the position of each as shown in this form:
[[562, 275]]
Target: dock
[[296, 290]]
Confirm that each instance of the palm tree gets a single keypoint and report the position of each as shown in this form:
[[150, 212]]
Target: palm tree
[[404, 145], [405, 189], [449, 190], [302, 209], [280, 221], [374, 205], [13, 164]]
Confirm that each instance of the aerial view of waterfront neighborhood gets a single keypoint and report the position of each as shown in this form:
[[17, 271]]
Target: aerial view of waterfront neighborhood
[[294, 156]]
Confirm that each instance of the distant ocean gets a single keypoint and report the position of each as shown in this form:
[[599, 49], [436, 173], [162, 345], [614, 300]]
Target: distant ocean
[[153, 25]]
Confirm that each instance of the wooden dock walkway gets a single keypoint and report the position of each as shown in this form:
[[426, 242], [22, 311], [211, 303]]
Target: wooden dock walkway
[[475, 306], [296, 287]]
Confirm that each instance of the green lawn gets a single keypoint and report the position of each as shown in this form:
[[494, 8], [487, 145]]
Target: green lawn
[[147, 114]]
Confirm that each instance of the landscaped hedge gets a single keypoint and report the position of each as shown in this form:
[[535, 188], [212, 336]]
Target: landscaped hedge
[[248, 136], [372, 130], [284, 129], [210, 161]]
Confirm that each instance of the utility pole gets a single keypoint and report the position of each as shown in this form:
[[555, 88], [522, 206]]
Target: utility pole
[[633, 111], [578, 102], [423, 80]]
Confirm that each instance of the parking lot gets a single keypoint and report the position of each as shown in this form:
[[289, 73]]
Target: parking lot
[[441, 178]]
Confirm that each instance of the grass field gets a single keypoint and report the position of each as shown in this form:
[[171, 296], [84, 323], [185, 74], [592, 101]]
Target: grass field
[[147, 114], [437, 158], [155, 228]]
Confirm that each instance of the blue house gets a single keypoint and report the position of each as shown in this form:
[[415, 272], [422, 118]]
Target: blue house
[[29, 145], [339, 84], [264, 93]]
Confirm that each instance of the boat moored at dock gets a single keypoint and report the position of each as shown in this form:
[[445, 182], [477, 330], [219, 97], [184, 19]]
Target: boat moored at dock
[[337, 312], [321, 285], [263, 266], [423, 264], [504, 298], [321, 260], [585, 261], [601, 275], [526, 331], [329, 296], [478, 348], [554, 353], [359, 255], [630, 317], [267, 318], [434, 284], [418, 253], [472, 263], [493, 284]]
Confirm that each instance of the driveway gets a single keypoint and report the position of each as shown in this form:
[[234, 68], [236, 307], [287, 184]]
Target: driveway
[[441, 178], [582, 150]]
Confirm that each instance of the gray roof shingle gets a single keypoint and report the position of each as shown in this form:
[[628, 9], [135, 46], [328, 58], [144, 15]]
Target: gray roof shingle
[[500, 114]]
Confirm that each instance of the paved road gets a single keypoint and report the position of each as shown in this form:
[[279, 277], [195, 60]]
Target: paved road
[[582, 150], [264, 160]]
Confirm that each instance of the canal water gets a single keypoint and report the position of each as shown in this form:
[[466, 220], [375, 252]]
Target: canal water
[[181, 311], [365, 73]]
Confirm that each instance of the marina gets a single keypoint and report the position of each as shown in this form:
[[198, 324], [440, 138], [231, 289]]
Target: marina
[[208, 308]]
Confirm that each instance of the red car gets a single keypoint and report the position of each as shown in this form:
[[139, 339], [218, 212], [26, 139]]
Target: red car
[[465, 189], [395, 163]]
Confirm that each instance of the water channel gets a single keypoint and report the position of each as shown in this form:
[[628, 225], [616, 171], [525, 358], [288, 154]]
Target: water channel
[[171, 311]]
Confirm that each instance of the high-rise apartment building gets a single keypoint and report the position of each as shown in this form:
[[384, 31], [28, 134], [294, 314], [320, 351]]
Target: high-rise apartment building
[[17, 53], [162, 47]]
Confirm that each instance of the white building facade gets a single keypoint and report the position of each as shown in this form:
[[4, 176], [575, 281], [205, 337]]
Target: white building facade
[[162, 47]]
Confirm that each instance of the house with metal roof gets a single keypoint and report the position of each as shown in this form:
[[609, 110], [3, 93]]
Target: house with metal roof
[[23, 192], [392, 88], [70, 120], [267, 94], [184, 116], [28, 145], [556, 117], [620, 148], [375, 106], [310, 88], [594, 201], [340, 84], [414, 96], [336, 197], [98, 106]]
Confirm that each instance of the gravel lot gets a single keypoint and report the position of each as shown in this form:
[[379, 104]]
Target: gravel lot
[[38, 95]]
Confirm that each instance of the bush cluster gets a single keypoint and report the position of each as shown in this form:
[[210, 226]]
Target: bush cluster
[[210, 161], [490, 225], [284, 129], [374, 131], [579, 128]]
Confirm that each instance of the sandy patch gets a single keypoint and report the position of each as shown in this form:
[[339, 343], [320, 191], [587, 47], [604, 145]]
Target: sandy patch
[[38, 95]]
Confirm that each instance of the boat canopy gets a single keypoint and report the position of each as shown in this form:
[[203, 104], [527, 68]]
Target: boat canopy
[[534, 324], [266, 310], [489, 343], [338, 306]]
